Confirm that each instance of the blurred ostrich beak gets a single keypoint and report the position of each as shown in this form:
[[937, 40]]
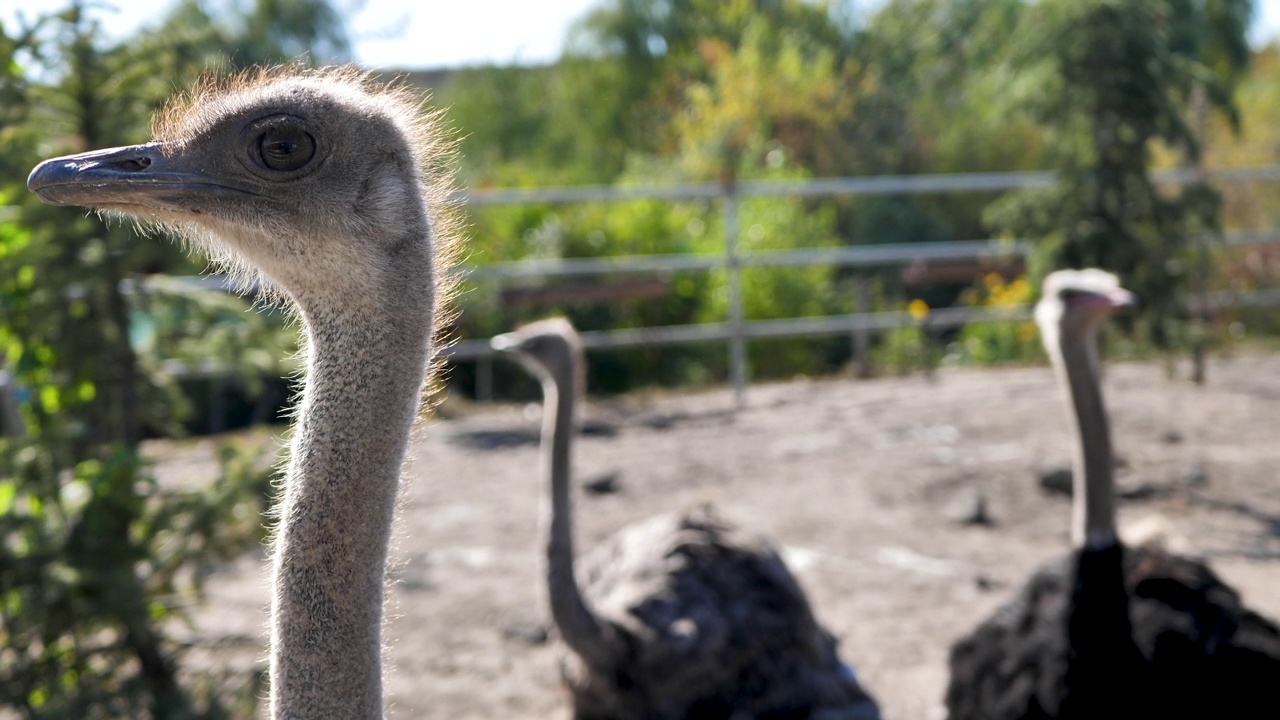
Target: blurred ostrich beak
[[1121, 299], [1106, 301], [506, 342]]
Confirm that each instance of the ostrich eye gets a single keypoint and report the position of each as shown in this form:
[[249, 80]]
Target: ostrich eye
[[286, 149]]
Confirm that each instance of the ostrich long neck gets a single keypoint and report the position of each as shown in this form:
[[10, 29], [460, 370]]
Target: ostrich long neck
[[1093, 521], [581, 630], [365, 367]]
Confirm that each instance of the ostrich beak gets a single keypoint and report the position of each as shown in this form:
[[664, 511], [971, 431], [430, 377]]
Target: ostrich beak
[[137, 177], [506, 342], [1104, 301], [1121, 299]]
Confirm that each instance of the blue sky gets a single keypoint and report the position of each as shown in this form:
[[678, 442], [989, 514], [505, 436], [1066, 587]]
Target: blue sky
[[437, 33]]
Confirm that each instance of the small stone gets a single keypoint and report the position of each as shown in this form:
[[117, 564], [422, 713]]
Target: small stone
[[605, 484], [1139, 491], [972, 510], [597, 428], [1056, 480]]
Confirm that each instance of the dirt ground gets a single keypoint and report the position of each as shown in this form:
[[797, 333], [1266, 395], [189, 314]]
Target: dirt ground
[[862, 483]]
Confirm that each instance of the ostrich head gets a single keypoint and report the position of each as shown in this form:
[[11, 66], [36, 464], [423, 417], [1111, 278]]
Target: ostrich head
[[549, 349], [320, 180], [1075, 303]]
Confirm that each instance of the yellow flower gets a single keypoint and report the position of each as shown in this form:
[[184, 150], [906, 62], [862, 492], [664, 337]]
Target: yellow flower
[[918, 309]]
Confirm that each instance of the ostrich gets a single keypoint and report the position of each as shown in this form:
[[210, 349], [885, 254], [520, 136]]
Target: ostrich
[[680, 616], [332, 189], [1110, 630]]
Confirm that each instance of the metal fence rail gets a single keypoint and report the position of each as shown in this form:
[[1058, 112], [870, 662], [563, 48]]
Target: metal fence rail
[[877, 185], [937, 318], [729, 195], [736, 330], [856, 256], [763, 329], [858, 323]]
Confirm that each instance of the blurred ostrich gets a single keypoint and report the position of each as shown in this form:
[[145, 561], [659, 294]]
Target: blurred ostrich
[[1110, 631], [680, 616], [332, 189]]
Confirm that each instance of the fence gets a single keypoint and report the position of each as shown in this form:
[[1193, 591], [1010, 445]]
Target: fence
[[735, 331]]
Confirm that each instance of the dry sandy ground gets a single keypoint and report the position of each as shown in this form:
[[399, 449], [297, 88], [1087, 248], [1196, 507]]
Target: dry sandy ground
[[859, 482]]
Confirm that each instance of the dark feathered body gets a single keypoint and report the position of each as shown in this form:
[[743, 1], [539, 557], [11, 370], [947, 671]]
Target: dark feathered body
[[1118, 632], [713, 625]]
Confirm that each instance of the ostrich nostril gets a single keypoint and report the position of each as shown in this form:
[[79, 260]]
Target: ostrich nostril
[[134, 164]]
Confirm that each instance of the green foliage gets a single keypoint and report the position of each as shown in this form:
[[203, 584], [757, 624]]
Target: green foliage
[[98, 558], [243, 34], [195, 327], [903, 350], [1111, 78], [1002, 342], [654, 92], [933, 91], [96, 561], [1254, 141]]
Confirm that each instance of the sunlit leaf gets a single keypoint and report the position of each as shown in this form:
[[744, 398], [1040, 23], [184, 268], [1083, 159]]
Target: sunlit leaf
[[49, 399], [7, 492]]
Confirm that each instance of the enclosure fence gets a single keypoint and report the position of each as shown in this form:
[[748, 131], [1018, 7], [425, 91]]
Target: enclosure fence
[[735, 330]]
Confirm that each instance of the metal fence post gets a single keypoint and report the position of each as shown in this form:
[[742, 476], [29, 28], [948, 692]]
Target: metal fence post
[[862, 335], [484, 378], [733, 265]]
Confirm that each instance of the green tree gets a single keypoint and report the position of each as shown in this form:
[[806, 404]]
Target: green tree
[[1110, 79], [628, 62], [660, 91], [934, 92]]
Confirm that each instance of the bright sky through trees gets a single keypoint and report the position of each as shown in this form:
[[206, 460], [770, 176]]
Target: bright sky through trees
[[439, 33]]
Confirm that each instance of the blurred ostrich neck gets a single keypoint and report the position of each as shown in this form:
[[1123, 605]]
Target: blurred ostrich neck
[[1093, 512], [581, 631], [366, 360]]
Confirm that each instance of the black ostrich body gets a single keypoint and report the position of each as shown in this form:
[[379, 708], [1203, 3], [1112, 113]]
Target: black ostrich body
[[1118, 632]]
